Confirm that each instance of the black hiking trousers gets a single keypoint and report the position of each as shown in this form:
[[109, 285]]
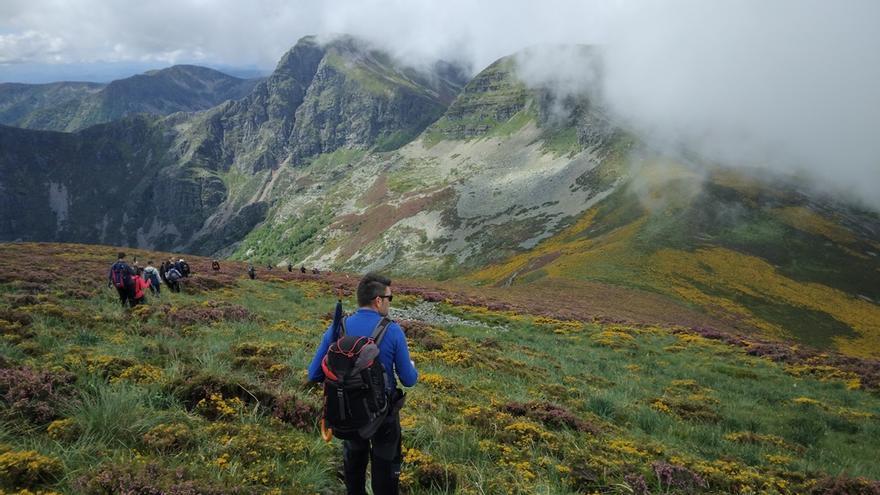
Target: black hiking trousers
[[384, 454], [126, 294]]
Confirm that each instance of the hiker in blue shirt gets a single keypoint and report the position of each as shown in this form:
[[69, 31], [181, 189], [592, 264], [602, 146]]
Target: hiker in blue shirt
[[384, 448]]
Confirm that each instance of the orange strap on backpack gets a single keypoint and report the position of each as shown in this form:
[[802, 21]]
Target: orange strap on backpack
[[326, 433]]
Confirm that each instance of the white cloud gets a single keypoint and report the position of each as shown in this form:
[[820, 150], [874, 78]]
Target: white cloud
[[787, 86], [27, 45], [790, 86], [259, 32]]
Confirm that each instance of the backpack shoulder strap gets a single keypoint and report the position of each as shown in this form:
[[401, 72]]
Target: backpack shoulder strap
[[379, 332]]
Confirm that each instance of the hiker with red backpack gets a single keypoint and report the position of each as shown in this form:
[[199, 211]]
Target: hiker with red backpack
[[121, 277], [357, 360], [138, 286]]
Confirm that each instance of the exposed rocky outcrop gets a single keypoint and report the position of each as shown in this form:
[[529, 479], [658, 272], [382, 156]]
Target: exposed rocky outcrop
[[492, 97]]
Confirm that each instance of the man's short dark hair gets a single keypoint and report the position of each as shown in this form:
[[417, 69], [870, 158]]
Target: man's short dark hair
[[120, 255], [370, 287]]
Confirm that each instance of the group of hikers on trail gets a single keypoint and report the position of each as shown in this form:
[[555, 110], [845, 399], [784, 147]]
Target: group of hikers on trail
[[359, 360], [132, 280], [252, 272]]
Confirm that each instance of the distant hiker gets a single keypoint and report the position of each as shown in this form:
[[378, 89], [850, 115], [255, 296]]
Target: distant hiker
[[302, 268], [315, 271], [173, 276], [215, 265], [139, 284], [269, 266], [183, 268], [251, 272], [151, 275], [168, 266], [371, 432], [121, 277], [289, 267]]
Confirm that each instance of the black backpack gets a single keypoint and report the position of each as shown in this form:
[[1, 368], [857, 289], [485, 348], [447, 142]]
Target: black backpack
[[355, 398], [120, 274]]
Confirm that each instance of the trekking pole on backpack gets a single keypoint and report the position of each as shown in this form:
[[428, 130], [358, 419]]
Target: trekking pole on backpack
[[337, 314], [327, 433]]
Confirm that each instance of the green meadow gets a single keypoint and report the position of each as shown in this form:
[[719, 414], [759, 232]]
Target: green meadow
[[206, 392]]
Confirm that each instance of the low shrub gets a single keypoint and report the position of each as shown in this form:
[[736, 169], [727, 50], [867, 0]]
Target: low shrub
[[296, 412], [35, 395], [195, 388], [843, 485], [149, 479], [422, 334], [550, 415], [15, 316], [208, 312], [637, 484], [169, 438], [27, 468], [672, 476], [63, 430], [108, 367], [437, 477]]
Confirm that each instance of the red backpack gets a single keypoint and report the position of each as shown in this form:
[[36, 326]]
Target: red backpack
[[120, 275]]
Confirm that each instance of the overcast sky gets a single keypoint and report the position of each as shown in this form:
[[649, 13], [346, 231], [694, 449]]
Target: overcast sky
[[784, 84]]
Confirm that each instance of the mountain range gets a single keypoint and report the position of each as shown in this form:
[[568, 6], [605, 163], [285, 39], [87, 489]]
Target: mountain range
[[73, 106], [346, 158]]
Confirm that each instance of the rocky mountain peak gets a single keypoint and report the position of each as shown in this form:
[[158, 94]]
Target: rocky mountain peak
[[301, 61]]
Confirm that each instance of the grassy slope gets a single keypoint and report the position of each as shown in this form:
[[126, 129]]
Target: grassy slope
[[510, 402], [777, 266], [296, 236]]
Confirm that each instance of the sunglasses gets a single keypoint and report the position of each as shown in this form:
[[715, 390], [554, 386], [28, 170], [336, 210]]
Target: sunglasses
[[387, 297]]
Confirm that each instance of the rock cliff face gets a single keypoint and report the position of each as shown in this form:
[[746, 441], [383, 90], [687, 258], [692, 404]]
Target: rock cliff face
[[492, 97], [105, 184], [251, 134], [356, 101], [318, 99]]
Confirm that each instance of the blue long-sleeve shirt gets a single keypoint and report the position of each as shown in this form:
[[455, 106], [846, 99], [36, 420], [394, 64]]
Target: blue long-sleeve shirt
[[393, 350]]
